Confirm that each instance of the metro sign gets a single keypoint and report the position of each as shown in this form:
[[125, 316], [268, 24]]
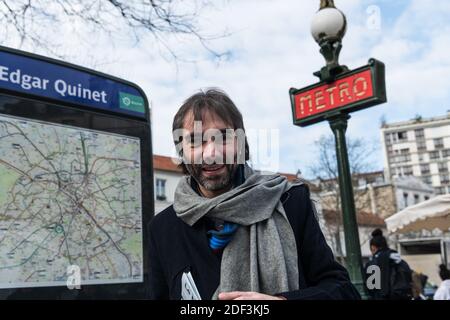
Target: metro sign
[[351, 91]]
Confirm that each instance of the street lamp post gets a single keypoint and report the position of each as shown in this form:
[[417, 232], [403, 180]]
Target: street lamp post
[[328, 28], [339, 92], [338, 125]]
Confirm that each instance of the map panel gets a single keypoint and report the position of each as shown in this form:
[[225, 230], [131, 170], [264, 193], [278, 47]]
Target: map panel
[[68, 197]]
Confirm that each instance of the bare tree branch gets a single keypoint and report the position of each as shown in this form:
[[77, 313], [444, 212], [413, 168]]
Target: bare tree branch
[[157, 18], [325, 170]]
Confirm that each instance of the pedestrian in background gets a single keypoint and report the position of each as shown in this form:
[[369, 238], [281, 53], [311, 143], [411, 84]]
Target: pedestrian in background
[[396, 275], [419, 281], [443, 292]]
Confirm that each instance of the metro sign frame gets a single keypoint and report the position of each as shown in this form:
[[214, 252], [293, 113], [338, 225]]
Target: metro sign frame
[[351, 91]]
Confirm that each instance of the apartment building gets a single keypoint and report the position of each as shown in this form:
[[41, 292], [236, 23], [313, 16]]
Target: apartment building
[[420, 148]]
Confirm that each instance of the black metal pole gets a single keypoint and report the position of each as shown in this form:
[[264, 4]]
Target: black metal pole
[[338, 124]]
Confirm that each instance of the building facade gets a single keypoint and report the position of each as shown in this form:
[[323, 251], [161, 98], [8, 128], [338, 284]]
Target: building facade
[[420, 148], [376, 198], [376, 194], [332, 227], [166, 174]]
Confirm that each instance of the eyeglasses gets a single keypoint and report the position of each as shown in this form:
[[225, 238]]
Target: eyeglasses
[[220, 137]]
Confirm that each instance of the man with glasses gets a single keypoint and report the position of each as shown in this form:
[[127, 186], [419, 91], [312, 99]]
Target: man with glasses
[[233, 233]]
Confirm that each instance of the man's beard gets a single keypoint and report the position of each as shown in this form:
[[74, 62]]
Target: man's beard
[[213, 182]]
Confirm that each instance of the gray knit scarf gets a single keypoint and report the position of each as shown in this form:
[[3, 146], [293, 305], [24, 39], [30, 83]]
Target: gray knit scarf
[[262, 256]]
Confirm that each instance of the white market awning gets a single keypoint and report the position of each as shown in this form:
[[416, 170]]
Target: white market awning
[[427, 215]]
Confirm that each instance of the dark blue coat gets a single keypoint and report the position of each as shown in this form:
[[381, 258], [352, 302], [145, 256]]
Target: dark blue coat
[[176, 247]]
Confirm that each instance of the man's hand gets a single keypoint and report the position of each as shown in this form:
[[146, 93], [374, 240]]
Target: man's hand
[[247, 295]]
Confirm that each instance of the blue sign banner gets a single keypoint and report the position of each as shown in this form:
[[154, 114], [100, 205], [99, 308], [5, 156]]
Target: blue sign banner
[[30, 75]]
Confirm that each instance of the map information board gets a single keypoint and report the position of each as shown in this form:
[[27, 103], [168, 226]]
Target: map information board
[[68, 197]]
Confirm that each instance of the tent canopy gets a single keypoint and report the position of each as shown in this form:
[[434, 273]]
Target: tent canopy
[[427, 215]]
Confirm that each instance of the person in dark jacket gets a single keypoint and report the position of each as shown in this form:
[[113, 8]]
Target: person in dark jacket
[[233, 233], [395, 281]]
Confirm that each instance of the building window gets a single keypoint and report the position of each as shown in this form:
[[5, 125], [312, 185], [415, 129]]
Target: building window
[[408, 171], [362, 182], [446, 153], [160, 189], [434, 155], [421, 146], [445, 179], [439, 190], [394, 137], [416, 199], [403, 157], [405, 199], [388, 138], [426, 179], [443, 167], [424, 169], [392, 171], [427, 198], [390, 150], [438, 143], [397, 171], [379, 180], [402, 136], [421, 157], [420, 134]]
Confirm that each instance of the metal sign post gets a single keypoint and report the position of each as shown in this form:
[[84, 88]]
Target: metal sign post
[[339, 92]]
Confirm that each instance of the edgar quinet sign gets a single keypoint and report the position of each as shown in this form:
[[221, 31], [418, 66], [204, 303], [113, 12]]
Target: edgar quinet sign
[[351, 91], [30, 74]]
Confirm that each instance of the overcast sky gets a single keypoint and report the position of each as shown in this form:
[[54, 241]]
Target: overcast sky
[[270, 50]]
